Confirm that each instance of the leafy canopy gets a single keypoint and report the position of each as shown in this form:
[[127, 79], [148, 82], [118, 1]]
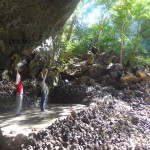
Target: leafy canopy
[[120, 25]]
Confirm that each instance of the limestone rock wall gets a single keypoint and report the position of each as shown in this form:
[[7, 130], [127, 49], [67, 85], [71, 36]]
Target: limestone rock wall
[[24, 24]]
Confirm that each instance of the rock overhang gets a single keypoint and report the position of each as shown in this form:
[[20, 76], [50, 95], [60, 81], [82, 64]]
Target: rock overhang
[[26, 24]]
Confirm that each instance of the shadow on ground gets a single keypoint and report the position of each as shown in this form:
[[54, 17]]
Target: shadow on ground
[[32, 118]]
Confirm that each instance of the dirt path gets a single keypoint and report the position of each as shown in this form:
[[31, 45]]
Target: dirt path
[[32, 118]]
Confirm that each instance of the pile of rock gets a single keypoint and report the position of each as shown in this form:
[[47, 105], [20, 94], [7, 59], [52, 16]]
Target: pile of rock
[[101, 72], [107, 123]]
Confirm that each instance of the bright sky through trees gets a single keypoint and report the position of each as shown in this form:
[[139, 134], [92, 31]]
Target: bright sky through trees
[[90, 14]]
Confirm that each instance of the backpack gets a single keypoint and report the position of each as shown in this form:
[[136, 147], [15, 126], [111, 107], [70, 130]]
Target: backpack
[[38, 90]]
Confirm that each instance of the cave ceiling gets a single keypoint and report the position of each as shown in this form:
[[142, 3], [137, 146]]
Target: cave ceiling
[[25, 24]]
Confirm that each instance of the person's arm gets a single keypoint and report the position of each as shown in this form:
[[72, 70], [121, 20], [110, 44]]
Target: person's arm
[[16, 70], [45, 73], [41, 74], [17, 77]]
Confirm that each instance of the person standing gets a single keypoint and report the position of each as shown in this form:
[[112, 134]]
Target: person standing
[[42, 78], [19, 92]]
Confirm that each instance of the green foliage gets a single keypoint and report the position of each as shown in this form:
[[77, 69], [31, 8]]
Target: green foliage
[[80, 41], [126, 22], [141, 60]]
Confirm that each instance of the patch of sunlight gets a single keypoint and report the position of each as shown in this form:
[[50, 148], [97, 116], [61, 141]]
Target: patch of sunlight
[[34, 119], [45, 46]]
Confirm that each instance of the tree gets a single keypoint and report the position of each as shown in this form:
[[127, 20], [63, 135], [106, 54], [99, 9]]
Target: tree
[[124, 13], [122, 31]]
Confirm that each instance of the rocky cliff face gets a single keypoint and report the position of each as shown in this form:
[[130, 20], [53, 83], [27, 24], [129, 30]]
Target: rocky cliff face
[[26, 24]]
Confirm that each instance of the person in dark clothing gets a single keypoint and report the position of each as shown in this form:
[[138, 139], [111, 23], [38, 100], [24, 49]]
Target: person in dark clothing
[[42, 78]]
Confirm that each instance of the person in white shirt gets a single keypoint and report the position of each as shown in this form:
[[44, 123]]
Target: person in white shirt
[[19, 92]]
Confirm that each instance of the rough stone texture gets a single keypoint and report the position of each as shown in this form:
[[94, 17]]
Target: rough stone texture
[[26, 24]]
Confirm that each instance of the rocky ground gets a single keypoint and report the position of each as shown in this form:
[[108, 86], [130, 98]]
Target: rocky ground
[[115, 119], [117, 116]]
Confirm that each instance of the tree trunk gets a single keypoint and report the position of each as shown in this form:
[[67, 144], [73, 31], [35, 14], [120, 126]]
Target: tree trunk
[[71, 28], [136, 41], [55, 48], [99, 37], [121, 42]]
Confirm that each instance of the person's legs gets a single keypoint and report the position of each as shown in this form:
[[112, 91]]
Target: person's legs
[[19, 98], [42, 104]]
